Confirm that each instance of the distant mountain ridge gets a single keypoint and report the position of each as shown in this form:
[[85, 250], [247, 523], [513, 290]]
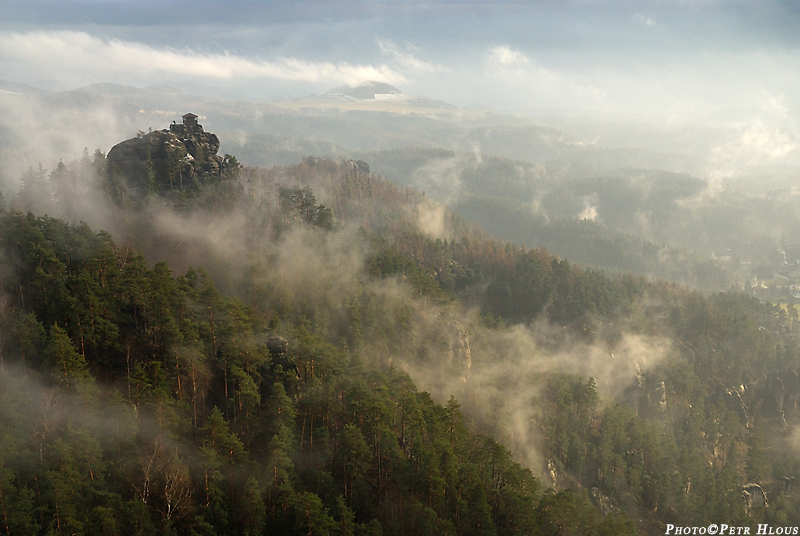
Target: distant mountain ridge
[[367, 90], [379, 92], [16, 87]]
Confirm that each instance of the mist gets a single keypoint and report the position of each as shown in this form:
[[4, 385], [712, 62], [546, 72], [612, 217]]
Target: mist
[[627, 171], [321, 278]]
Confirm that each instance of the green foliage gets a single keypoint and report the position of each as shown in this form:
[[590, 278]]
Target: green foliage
[[301, 204], [213, 432], [35, 190], [392, 263], [570, 513], [69, 364]]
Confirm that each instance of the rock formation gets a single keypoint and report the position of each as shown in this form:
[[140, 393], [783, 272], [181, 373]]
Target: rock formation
[[278, 349], [176, 160], [753, 496]]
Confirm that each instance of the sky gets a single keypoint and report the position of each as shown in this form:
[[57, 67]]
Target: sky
[[648, 56]]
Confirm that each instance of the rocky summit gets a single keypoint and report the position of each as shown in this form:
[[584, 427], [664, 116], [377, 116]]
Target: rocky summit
[[162, 161]]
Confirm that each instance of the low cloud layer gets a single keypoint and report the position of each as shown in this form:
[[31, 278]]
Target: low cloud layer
[[612, 57], [70, 57], [405, 56]]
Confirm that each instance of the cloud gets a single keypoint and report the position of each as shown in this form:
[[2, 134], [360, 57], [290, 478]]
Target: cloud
[[506, 60], [589, 210], [590, 91], [771, 137], [644, 20], [523, 82], [406, 59], [71, 56]]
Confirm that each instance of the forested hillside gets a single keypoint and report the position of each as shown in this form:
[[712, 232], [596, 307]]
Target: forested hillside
[[696, 230], [624, 184], [314, 350], [139, 403]]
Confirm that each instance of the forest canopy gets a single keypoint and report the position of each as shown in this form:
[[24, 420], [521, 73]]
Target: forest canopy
[[313, 350]]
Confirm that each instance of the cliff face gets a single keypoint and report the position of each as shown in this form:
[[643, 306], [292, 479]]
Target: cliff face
[[176, 160]]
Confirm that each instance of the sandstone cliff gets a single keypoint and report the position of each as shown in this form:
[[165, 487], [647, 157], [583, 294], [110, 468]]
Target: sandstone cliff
[[162, 161]]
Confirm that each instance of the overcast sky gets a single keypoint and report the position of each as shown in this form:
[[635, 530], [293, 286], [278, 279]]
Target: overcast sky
[[642, 56]]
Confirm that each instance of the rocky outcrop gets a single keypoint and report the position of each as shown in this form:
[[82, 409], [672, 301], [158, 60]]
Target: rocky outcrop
[[176, 160], [278, 349], [753, 496]]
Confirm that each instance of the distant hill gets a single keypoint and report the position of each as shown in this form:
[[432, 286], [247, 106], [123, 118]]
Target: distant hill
[[121, 90], [15, 87], [367, 90]]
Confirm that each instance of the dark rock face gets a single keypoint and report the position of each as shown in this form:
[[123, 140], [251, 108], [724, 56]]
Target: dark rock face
[[278, 352], [179, 159], [358, 167], [277, 346], [753, 496]]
